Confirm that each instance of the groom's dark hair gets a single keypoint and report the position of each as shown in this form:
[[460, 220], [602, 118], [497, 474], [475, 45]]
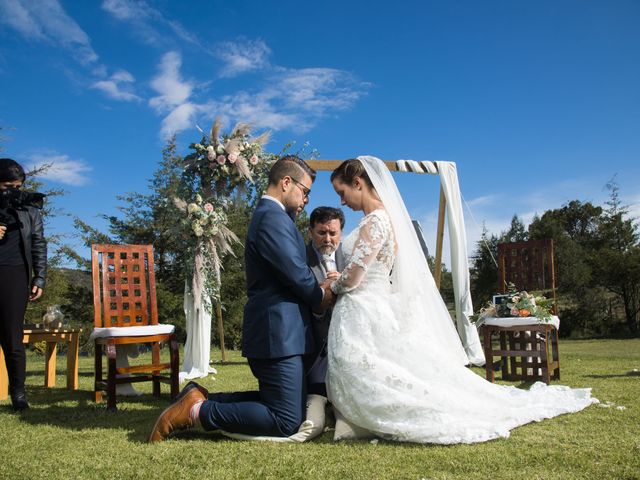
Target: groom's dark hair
[[290, 166], [326, 214]]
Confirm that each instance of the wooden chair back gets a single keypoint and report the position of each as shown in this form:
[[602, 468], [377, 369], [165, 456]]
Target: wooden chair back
[[529, 265], [124, 285]]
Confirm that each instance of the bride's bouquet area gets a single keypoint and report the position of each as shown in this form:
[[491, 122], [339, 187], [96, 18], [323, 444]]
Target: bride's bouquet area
[[518, 304]]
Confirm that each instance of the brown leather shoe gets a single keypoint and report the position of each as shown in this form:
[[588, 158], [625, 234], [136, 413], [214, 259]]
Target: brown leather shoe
[[176, 416]]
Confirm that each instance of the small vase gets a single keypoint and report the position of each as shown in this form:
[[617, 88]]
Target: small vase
[[53, 318]]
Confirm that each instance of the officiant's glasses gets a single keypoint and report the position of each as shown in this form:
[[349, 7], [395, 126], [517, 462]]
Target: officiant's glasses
[[305, 190]]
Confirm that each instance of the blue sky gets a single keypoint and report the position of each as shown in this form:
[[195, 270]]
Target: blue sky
[[538, 103]]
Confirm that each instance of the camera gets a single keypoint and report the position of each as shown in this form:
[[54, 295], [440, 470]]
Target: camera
[[15, 198]]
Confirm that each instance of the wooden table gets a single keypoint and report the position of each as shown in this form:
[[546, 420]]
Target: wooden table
[[52, 337]]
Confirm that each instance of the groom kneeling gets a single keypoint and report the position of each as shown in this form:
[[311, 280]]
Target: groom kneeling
[[276, 330]]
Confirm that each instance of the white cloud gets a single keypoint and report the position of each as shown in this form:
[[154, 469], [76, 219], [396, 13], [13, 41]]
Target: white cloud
[[46, 20], [173, 100], [144, 19], [172, 89], [118, 86], [180, 118], [63, 169], [294, 99], [242, 56], [124, 10]]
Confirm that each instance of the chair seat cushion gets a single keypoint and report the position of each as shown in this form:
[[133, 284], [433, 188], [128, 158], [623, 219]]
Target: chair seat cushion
[[138, 331], [519, 321]]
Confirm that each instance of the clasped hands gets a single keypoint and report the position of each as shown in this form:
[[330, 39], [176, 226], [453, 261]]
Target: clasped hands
[[329, 298]]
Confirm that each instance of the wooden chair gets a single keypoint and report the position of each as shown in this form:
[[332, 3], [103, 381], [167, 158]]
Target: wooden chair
[[126, 313], [527, 352], [529, 265]]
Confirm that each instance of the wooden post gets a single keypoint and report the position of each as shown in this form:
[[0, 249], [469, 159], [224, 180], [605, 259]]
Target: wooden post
[[221, 331], [437, 274]]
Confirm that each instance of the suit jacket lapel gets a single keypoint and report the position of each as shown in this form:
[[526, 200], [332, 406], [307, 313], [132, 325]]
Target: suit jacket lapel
[[314, 263]]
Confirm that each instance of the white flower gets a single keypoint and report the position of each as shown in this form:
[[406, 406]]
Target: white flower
[[211, 154], [192, 208], [198, 198], [197, 229], [220, 149]]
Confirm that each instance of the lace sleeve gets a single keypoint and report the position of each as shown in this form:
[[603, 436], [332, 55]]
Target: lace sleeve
[[371, 237]]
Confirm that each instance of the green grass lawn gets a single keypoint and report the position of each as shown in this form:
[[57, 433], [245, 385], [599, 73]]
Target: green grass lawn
[[66, 435]]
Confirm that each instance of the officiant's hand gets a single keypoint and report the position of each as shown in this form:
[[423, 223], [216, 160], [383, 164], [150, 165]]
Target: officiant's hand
[[328, 300], [332, 276]]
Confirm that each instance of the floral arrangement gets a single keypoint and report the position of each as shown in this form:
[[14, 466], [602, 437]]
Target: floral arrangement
[[204, 218], [519, 304], [231, 157], [219, 167]]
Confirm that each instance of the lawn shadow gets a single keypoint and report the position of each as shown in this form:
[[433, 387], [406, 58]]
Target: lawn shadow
[[77, 410], [616, 375]]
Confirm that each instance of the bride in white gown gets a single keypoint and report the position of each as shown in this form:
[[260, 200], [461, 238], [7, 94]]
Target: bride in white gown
[[396, 364]]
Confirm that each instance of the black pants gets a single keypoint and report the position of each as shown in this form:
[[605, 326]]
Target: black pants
[[14, 294]]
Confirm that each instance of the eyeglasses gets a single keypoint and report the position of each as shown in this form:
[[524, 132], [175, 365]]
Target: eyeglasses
[[305, 190]]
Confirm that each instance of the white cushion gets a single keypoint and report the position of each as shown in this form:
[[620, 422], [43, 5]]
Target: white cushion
[[310, 428], [138, 331], [518, 321], [345, 430]]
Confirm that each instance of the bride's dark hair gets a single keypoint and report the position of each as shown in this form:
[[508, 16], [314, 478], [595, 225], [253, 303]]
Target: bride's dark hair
[[348, 170]]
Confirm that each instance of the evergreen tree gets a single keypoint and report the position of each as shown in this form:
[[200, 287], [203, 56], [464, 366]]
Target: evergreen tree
[[617, 262], [484, 270], [517, 231]]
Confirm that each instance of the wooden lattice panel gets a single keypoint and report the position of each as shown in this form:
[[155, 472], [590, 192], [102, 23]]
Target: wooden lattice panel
[[529, 265], [123, 286]]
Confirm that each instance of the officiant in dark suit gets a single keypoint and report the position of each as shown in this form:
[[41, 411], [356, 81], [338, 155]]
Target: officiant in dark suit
[[324, 255]]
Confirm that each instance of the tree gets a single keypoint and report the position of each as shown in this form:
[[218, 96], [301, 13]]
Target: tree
[[617, 262], [573, 228], [517, 231], [484, 270]]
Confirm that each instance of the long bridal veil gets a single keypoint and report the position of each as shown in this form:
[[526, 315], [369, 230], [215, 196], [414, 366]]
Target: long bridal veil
[[416, 297]]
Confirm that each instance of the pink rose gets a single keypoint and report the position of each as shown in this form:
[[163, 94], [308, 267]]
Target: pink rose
[[211, 154], [208, 207], [254, 159], [233, 156], [221, 159], [515, 312]]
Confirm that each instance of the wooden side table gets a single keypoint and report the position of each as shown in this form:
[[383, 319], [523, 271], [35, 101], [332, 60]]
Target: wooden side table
[[527, 352], [52, 337]]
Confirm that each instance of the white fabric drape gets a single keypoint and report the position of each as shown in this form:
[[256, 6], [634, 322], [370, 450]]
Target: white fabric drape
[[197, 348], [458, 246], [460, 264]]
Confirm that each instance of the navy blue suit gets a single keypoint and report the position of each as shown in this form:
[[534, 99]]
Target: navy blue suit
[[276, 330]]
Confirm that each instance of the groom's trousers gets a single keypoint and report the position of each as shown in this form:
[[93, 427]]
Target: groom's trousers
[[276, 410]]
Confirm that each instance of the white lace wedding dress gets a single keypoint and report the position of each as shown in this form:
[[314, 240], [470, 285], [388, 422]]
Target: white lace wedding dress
[[392, 374]]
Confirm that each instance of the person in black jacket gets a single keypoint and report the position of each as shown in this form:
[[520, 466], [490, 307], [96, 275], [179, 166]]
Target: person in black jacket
[[23, 264]]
